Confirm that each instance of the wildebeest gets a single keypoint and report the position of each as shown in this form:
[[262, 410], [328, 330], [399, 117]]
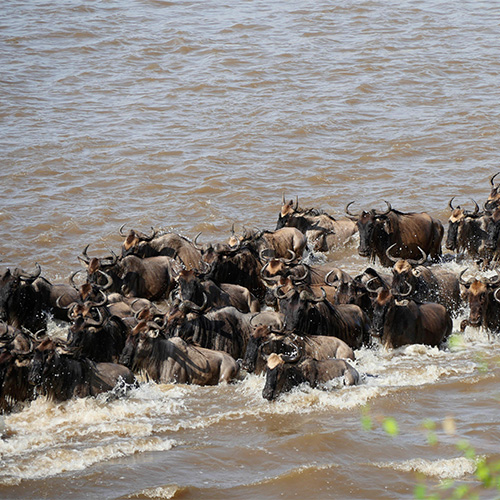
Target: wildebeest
[[151, 278], [409, 231], [468, 232], [400, 322], [169, 244], [239, 265], [101, 339], [174, 360], [493, 201], [306, 314], [287, 242], [60, 376], [285, 372], [225, 329], [21, 304], [265, 340], [15, 362], [323, 231], [191, 287], [425, 284], [481, 294]]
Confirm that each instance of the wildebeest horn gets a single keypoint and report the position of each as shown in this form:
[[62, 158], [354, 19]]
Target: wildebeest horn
[[492, 179], [291, 259], [301, 279], [338, 277], [309, 297], [58, 302], [450, 204], [84, 257], [268, 279], [494, 279], [72, 279], [265, 258], [102, 302], [495, 294], [94, 322], [476, 208], [462, 281], [420, 261], [31, 277], [121, 230], [188, 305], [368, 286], [109, 281], [389, 208], [410, 289], [195, 242], [279, 295], [354, 216], [389, 256], [147, 237]]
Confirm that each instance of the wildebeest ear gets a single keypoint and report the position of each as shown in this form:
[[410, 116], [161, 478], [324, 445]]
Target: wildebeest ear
[[388, 226]]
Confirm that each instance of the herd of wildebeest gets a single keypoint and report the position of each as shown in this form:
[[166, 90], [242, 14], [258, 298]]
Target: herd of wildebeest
[[173, 310]]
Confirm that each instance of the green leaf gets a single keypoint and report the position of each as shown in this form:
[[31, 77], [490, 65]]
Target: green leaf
[[391, 426]]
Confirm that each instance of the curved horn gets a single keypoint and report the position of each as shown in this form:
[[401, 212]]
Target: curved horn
[[94, 322], [58, 302], [72, 280], [263, 257], [121, 230], [494, 279], [389, 208], [476, 208], [109, 280], [148, 237], [84, 257], [195, 242], [268, 279], [301, 279], [420, 261], [410, 289], [31, 277], [389, 256], [368, 286], [279, 295], [188, 305], [462, 281], [309, 297], [338, 276], [495, 294], [293, 257], [450, 204], [492, 179], [349, 213], [102, 302]]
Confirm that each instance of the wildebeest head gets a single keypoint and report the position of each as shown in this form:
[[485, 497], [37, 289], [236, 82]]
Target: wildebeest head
[[103, 271], [133, 241], [456, 222], [282, 375], [20, 303], [287, 213], [479, 294], [405, 272], [372, 226], [493, 200]]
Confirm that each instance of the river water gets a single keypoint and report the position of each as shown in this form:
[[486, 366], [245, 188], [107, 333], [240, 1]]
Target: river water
[[194, 116]]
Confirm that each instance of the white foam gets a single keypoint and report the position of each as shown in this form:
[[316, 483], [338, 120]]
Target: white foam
[[453, 468]]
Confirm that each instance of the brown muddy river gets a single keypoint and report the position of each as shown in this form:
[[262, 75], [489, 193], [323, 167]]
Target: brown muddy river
[[194, 116]]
